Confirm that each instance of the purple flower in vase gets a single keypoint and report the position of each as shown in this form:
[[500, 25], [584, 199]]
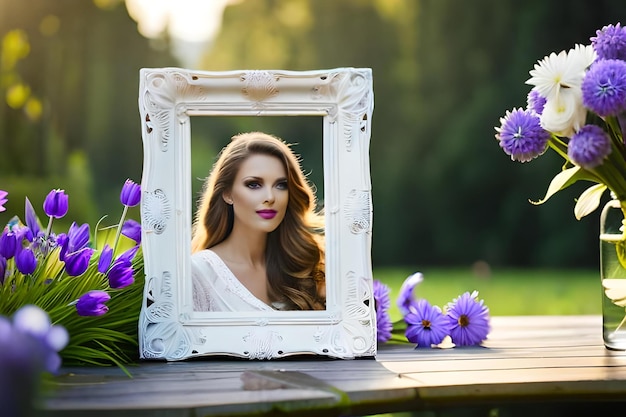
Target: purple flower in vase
[[56, 204], [521, 135], [426, 324], [610, 42], [92, 303], [589, 146], [130, 195], [536, 102], [604, 87], [469, 320]]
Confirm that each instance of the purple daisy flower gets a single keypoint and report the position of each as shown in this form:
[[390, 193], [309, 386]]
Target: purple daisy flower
[[610, 42], [521, 135], [426, 324], [468, 319], [382, 304], [3, 199], [536, 102], [604, 87], [589, 146]]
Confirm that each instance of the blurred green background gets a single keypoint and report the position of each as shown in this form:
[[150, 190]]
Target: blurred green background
[[445, 71]]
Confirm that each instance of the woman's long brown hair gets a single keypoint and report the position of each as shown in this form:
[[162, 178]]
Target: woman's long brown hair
[[295, 250]]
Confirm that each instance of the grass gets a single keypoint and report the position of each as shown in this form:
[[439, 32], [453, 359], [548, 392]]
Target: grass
[[507, 292]]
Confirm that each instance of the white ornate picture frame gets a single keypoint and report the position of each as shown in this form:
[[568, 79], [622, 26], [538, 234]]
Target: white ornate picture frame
[[169, 328]]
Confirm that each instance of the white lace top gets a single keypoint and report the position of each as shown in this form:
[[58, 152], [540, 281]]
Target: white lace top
[[216, 288]]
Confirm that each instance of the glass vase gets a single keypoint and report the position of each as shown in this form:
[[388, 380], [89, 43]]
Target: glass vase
[[613, 276]]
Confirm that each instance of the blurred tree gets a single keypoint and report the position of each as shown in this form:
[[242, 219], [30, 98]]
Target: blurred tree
[[77, 65]]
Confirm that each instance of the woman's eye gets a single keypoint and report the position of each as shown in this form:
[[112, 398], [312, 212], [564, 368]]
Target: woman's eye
[[282, 185], [253, 185]]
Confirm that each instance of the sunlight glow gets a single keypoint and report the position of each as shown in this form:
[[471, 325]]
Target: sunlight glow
[[185, 20]]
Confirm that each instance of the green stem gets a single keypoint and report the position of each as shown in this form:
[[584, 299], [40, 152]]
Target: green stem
[[620, 325], [49, 228], [558, 146], [119, 228]]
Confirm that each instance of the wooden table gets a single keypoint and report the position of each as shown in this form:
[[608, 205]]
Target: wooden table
[[530, 365]]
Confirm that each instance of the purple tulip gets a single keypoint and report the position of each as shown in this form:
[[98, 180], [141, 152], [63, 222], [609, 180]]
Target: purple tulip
[[132, 230], [76, 239], [105, 259], [92, 303], [8, 244], [76, 263], [56, 204], [128, 255], [131, 193], [120, 275], [25, 261]]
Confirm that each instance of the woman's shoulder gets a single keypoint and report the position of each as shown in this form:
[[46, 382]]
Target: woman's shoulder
[[204, 254]]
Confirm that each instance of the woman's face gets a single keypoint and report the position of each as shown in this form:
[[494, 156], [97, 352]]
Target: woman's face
[[259, 194]]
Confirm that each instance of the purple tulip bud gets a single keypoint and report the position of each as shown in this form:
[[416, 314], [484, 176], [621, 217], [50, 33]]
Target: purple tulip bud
[[79, 236], [105, 259], [127, 256], [92, 303], [131, 193], [25, 261], [132, 230], [3, 200], [76, 263], [32, 221], [120, 275], [56, 204], [8, 244]]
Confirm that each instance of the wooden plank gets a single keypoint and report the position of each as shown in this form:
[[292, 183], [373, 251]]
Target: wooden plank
[[530, 358]]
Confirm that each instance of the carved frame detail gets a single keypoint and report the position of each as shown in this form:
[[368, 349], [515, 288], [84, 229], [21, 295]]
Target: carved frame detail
[[169, 329]]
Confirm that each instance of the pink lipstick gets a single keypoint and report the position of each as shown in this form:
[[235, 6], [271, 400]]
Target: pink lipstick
[[267, 214]]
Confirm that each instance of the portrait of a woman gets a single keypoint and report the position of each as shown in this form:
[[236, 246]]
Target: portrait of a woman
[[257, 241]]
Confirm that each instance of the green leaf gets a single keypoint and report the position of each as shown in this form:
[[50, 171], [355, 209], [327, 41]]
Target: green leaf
[[589, 200], [562, 180]]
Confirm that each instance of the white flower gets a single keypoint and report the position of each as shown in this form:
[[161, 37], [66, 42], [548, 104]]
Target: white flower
[[565, 114], [557, 73]]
